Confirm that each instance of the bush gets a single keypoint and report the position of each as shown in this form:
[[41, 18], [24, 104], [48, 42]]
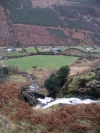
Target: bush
[[56, 81], [95, 89], [5, 70], [13, 69]]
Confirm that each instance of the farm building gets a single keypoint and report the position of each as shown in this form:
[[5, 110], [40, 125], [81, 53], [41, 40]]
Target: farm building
[[9, 50]]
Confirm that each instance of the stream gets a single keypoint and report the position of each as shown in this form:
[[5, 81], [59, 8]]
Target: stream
[[33, 84], [48, 101]]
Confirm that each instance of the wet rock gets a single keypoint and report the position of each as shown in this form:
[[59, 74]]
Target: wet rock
[[31, 93], [95, 88]]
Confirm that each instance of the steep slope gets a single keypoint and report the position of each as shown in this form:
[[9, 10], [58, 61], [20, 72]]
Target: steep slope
[[20, 117], [49, 22]]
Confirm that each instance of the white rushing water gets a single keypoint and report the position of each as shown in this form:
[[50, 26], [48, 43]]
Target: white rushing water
[[48, 101]]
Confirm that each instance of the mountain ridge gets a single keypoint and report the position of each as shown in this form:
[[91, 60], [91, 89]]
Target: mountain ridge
[[63, 18]]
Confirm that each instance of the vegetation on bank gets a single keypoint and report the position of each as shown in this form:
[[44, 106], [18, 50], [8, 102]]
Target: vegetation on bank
[[59, 118], [56, 119], [86, 85], [48, 62], [56, 81]]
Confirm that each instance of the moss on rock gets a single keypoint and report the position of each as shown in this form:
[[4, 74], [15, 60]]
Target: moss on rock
[[85, 85]]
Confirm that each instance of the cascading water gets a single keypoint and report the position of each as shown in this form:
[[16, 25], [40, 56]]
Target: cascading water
[[33, 84], [48, 101]]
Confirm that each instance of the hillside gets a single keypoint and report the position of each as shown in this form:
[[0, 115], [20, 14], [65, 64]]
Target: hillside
[[49, 22], [16, 116]]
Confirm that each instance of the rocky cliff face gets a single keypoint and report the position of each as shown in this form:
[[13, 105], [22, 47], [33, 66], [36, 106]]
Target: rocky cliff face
[[52, 22], [86, 85]]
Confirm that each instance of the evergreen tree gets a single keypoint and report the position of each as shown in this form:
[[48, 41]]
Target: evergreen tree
[[5, 70], [56, 81]]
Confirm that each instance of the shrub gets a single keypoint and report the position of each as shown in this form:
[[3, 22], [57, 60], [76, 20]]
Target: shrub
[[5, 70], [13, 69], [56, 81]]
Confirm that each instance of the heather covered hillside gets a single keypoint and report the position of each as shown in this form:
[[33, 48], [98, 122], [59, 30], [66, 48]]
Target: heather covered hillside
[[51, 22], [16, 116]]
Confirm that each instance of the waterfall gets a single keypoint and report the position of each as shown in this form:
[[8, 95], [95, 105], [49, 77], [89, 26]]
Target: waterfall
[[33, 84], [48, 101]]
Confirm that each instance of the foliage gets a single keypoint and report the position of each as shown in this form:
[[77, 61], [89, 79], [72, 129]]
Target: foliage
[[71, 12], [73, 23], [3, 73], [5, 70], [57, 32], [35, 16], [30, 15], [66, 11], [56, 81], [18, 44], [83, 118], [62, 74], [11, 3], [95, 89], [52, 83], [27, 4], [13, 69], [84, 10]]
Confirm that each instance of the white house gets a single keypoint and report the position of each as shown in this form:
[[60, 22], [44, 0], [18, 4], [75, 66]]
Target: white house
[[89, 48], [9, 50]]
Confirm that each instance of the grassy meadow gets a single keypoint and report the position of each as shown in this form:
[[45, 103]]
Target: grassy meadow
[[48, 62], [31, 50], [96, 50], [15, 53], [18, 78]]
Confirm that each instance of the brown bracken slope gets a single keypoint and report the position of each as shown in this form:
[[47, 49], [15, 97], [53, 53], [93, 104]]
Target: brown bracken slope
[[67, 118]]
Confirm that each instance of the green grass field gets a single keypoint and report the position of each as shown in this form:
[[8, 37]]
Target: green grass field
[[48, 62], [63, 48], [18, 78], [96, 50], [15, 53], [40, 49], [31, 50]]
